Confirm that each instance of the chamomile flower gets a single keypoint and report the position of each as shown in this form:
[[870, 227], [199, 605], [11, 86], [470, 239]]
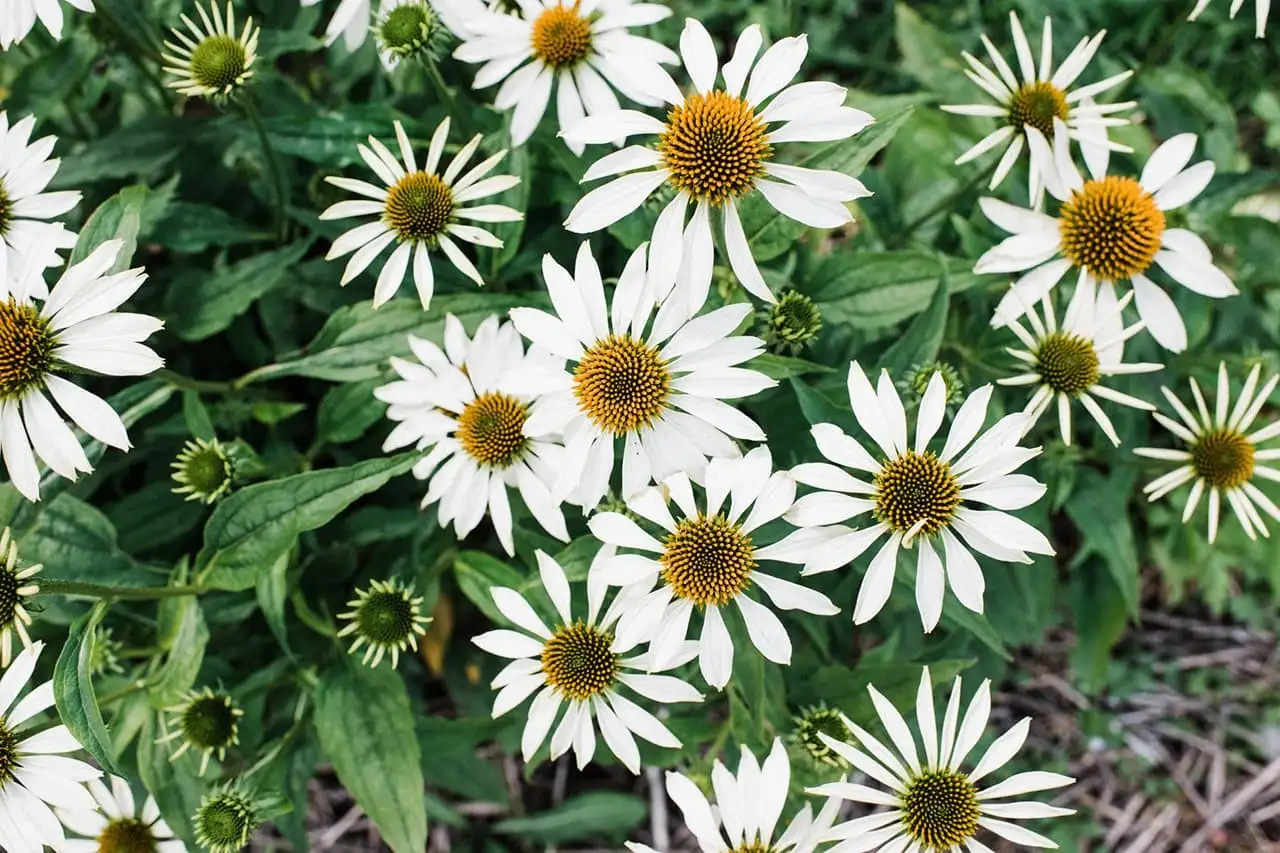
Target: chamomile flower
[[747, 807], [717, 147], [458, 406], [27, 239], [581, 49], [76, 329], [1261, 9], [17, 17], [1041, 96], [386, 617], [16, 586], [1222, 457], [934, 806], [658, 386], [35, 772], [582, 666], [351, 20], [207, 722], [706, 560], [1068, 364], [116, 825], [420, 210], [214, 61], [919, 498], [1110, 229]]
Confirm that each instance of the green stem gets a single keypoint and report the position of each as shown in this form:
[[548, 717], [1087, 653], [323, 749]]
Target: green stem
[[186, 383], [117, 695], [142, 54], [53, 586], [437, 83], [278, 191]]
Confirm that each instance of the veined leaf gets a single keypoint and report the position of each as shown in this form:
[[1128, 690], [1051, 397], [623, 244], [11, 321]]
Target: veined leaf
[[73, 690]]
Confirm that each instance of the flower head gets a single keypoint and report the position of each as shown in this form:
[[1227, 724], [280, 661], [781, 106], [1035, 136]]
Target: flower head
[[919, 497], [104, 653], [657, 382], [116, 825], [932, 803], [351, 20], [915, 383], [420, 210], [18, 17], [1067, 364], [1222, 457], [814, 722], [406, 29], [203, 470], [1109, 229], [212, 62], [386, 617], [27, 241], [717, 147], [455, 406], [706, 560], [580, 47], [1041, 97], [791, 324], [16, 586], [227, 816], [207, 722], [1261, 9], [582, 665]]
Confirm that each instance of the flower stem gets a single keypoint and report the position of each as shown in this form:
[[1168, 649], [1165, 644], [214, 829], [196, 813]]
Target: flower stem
[[437, 83], [53, 586], [278, 191], [142, 53]]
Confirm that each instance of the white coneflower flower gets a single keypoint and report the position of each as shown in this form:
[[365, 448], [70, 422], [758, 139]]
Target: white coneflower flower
[[352, 21], [920, 498], [207, 721], [1067, 364], [405, 29], [1261, 9], [76, 329], [747, 808], [1222, 456], [715, 148], [213, 62], [27, 241], [580, 47], [421, 210], [934, 807], [582, 666], [116, 826], [659, 386], [705, 561], [16, 586], [17, 17], [35, 772], [1111, 229], [1042, 96], [459, 407], [384, 618]]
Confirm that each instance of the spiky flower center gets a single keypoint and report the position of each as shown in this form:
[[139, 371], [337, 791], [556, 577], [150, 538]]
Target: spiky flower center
[[9, 598], [940, 809], [407, 28], [203, 470], [916, 491], [578, 661], [386, 617], [561, 36], [491, 429], [27, 343], [209, 722], [9, 762], [1223, 458], [218, 61], [708, 560], [756, 846], [622, 384], [1067, 363], [1037, 105], [793, 322], [419, 208], [1111, 227], [127, 835], [714, 146], [224, 822], [921, 374], [821, 721]]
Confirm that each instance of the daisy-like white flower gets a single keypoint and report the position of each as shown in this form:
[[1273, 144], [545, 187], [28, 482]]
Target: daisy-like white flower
[[116, 826], [207, 721], [419, 209], [27, 240], [16, 586], [76, 329], [922, 499], [34, 770], [659, 386], [384, 618], [351, 21], [934, 807], [715, 148], [747, 808], [1222, 456], [1042, 95], [212, 62], [1109, 229], [1067, 364], [705, 561], [1261, 9], [580, 665], [457, 406], [17, 17], [579, 47]]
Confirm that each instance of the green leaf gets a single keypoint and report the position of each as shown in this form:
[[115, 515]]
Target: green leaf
[[818, 408], [176, 789], [846, 689], [477, 572], [142, 147], [153, 516], [930, 57], [76, 542], [199, 424], [785, 367], [73, 692], [923, 338], [347, 411], [365, 725], [253, 527], [189, 227], [117, 218], [330, 138], [1099, 509], [870, 290], [273, 591], [204, 303], [596, 814], [1100, 613], [190, 636]]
